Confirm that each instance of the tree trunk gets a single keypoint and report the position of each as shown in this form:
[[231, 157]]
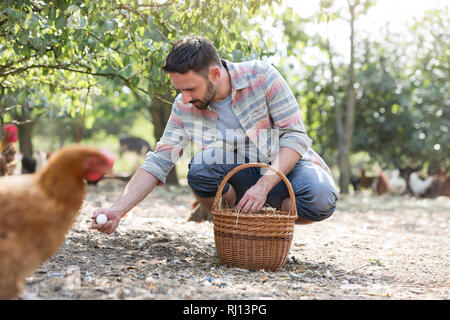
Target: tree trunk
[[79, 129], [25, 135], [160, 112], [344, 133], [343, 151], [344, 168], [25, 125], [81, 119], [345, 148]]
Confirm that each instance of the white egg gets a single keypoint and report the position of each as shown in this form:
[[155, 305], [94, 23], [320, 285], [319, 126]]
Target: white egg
[[101, 219]]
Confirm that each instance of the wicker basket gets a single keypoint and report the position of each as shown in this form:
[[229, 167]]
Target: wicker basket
[[253, 241]]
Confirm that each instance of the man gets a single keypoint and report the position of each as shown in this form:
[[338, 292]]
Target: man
[[236, 113]]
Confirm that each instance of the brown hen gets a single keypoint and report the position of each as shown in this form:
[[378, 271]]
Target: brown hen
[[37, 210], [8, 150]]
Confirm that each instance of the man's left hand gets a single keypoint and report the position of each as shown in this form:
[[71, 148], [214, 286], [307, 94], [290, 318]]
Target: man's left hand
[[254, 199]]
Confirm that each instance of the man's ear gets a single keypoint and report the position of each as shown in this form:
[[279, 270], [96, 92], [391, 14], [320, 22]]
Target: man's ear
[[214, 73]]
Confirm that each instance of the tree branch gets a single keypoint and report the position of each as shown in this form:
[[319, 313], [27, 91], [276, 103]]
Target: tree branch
[[156, 5], [3, 67], [60, 67], [58, 85], [129, 9], [7, 109], [143, 17], [163, 100]]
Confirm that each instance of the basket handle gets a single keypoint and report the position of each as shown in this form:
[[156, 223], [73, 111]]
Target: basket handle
[[293, 209]]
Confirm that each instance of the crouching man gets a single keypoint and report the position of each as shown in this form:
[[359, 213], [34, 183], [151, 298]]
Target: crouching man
[[237, 113]]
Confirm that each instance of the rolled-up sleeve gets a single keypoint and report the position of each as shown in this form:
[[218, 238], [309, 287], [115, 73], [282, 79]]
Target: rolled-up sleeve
[[285, 112], [169, 148]]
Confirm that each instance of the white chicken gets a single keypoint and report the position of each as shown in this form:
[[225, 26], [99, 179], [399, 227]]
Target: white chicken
[[419, 186], [397, 183]]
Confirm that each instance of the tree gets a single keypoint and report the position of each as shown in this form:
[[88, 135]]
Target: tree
[[404, 90], [345, 123], [122, 41], [344, 119]]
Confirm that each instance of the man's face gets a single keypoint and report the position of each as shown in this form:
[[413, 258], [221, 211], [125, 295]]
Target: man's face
[[194, 88]]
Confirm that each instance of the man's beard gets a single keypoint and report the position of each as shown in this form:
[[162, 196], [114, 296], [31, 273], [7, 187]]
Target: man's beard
[[207, 99]]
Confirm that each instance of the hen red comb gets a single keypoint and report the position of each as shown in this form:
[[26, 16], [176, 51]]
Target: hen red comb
[[11, 131]]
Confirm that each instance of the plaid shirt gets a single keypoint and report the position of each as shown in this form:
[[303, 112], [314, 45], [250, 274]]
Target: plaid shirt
[[266, 109]]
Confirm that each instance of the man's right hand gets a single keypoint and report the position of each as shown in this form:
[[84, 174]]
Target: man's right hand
[[139, 186], [111, 225]]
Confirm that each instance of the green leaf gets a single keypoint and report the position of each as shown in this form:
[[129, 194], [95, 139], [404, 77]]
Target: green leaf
[[91, 43], [24, 36], [52, 13], [148, 43], [60, 22], [109, 24], [395, 108], [89, 121]]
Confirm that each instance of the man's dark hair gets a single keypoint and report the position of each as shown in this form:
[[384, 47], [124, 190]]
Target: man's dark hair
[[192, 53]]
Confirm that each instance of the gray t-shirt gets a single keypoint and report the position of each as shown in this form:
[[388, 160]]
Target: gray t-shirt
[[231, 130]]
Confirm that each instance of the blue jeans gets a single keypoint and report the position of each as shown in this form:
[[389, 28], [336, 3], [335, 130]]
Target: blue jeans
[[314, 190]]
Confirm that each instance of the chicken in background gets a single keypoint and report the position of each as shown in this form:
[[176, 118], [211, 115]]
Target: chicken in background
[[8, 150], [382, 185], [37, 210], [396, 182], [418, 186], [363, 181], [440, 185], [35, 163], [354, 180], [135, 144], [11, 135]]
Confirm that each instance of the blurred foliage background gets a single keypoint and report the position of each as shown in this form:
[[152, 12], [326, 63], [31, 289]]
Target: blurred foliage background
[[90, 71]]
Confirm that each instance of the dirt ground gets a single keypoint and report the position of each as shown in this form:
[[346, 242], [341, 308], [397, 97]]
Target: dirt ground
[[371, 248]]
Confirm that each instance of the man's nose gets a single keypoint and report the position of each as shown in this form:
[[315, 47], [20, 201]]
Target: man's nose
[[186, 97]]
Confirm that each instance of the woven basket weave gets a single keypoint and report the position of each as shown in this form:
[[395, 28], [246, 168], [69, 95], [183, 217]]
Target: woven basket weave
[[253, 241]]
